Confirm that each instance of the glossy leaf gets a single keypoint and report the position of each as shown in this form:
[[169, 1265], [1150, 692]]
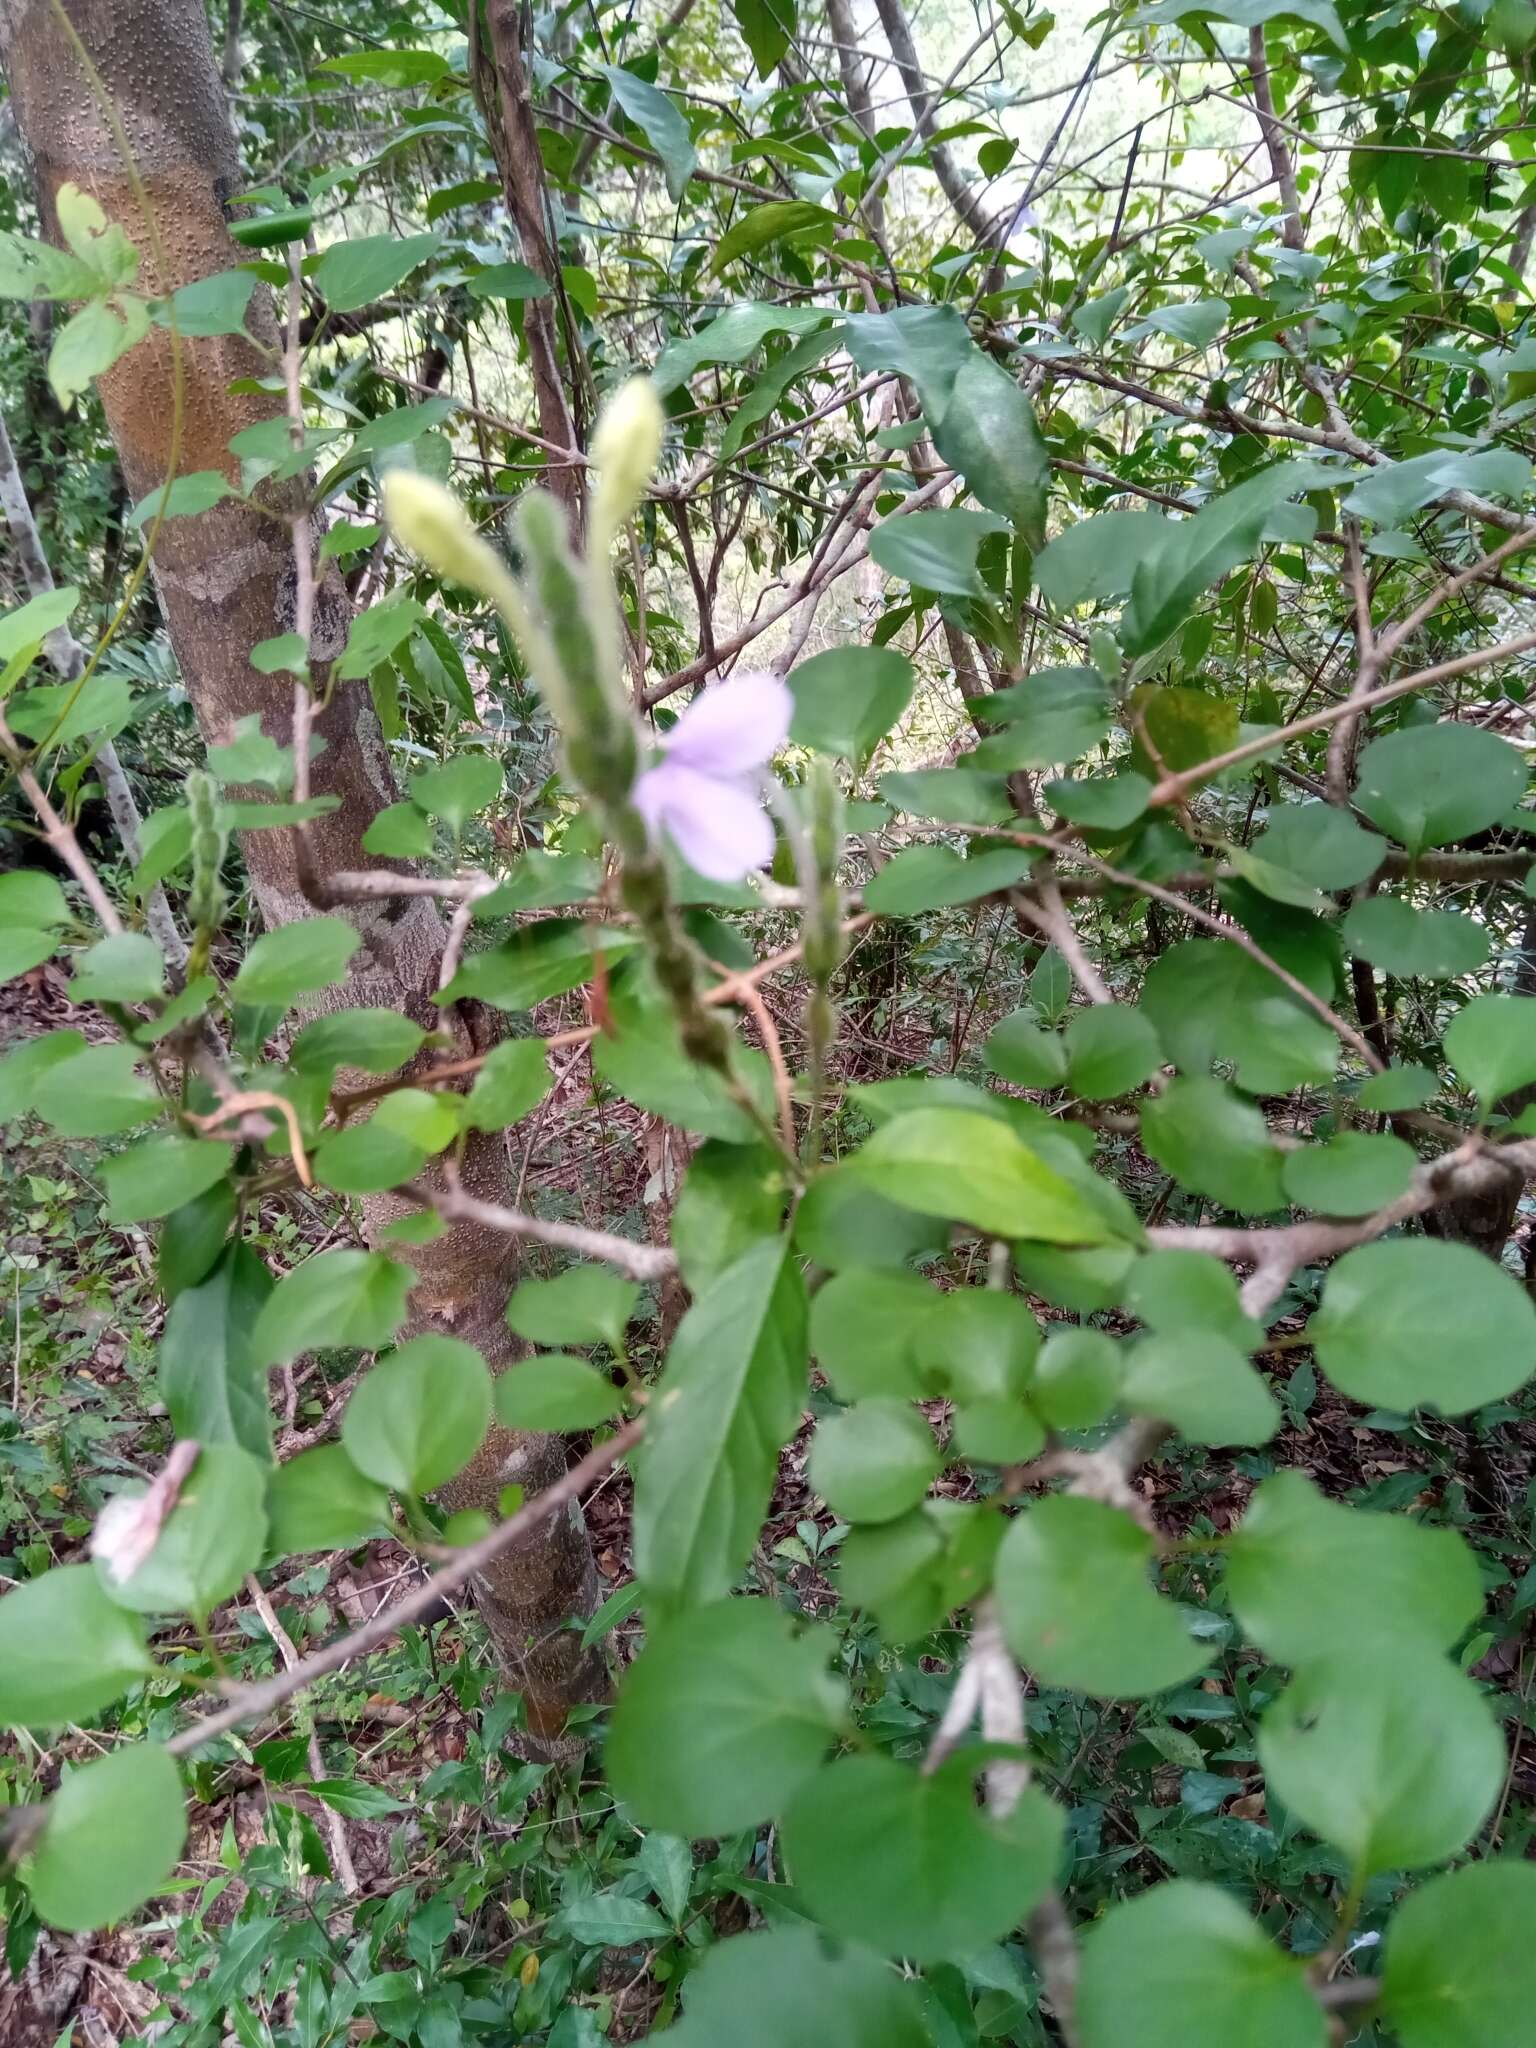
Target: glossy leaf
[[112, 1837], [66, 1650], [419, 1415], [725, 1713]]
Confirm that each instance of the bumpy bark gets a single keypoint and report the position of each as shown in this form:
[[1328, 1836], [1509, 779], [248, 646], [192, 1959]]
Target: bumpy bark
[[227, 580]]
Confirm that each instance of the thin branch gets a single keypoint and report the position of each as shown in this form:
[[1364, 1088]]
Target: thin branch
[[252, 1701], [456, 1205]]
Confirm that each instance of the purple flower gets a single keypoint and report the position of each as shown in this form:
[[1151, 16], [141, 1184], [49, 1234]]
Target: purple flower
[[706, 791]]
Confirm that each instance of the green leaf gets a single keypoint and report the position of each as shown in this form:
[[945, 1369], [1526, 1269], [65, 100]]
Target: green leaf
[[375, 635], [1212, 1004], [460, 788], [320, 1501], [936, 550], [1096, 559], [874, 1461], [582, 1305], [123, 968], [1461, 1966], [352, 274], [1491, 1043], [186, 498], [905, 1860], [865, 1331], [405, 1131], [1440, 945], [953, 1163], [1353, 1174], [272, 230], [192, 1237], [555, 1392], [1077, 1606], [1183, 1963], [1431, 784], [732, 1197], [1395, 490], [66, 1650], [1423, 1322], [1251, 14], [509, 281], [1186, 726], [112, 1838], [160, 1174], [419, 1415], [841, 1223], [731, 338], [390, 68], [1320, 844], [57, 714], [31, 897], [209, 1380], [22, 949], [642, 1059], [934, 877], [333, 1301], [988, 432], [1202, 1384], [400, 832], [513, 1079], [774, 220], [1309, 1578], [1196, 324], [91, 341], [660, 121], [377, 1041], [763, 1990], [214, 1535], [1174, 1291], [847, 698], [1394, 1758], [1197, 553], [28, 625], [609, 1920], [1077, 1378], [767, 27], [729, 1397], [959, 795], [1398, 1088], [1110, 1051], [545, 959], [1056, 715], [294, 960], [1104, 803], [1214, 1143], [1022, 1052], [929, 344], [94, 1091], [725, 1713], [211, 305]]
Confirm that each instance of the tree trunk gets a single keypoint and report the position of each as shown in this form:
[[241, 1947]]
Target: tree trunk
[[501, 84], [227, 580]]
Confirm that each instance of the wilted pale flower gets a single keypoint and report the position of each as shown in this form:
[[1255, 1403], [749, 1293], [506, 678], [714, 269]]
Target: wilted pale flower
[[706, 793], [128, 1527]]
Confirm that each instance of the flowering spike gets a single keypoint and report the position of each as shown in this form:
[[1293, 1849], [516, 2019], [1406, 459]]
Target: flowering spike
[[626, 443], [430, 523]]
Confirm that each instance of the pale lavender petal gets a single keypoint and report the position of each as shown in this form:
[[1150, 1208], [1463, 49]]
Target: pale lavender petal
[[734, 727], [717, 824]]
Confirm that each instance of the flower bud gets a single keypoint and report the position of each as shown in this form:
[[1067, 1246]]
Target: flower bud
[[430, 523], [626, 443]]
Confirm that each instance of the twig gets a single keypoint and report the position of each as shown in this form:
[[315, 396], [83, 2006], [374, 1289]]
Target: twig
[[335, 1828], [252, 1701], [455, 1205]]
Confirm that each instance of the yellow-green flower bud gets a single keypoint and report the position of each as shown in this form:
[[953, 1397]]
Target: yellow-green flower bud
[[626, 444], [430, 523]]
